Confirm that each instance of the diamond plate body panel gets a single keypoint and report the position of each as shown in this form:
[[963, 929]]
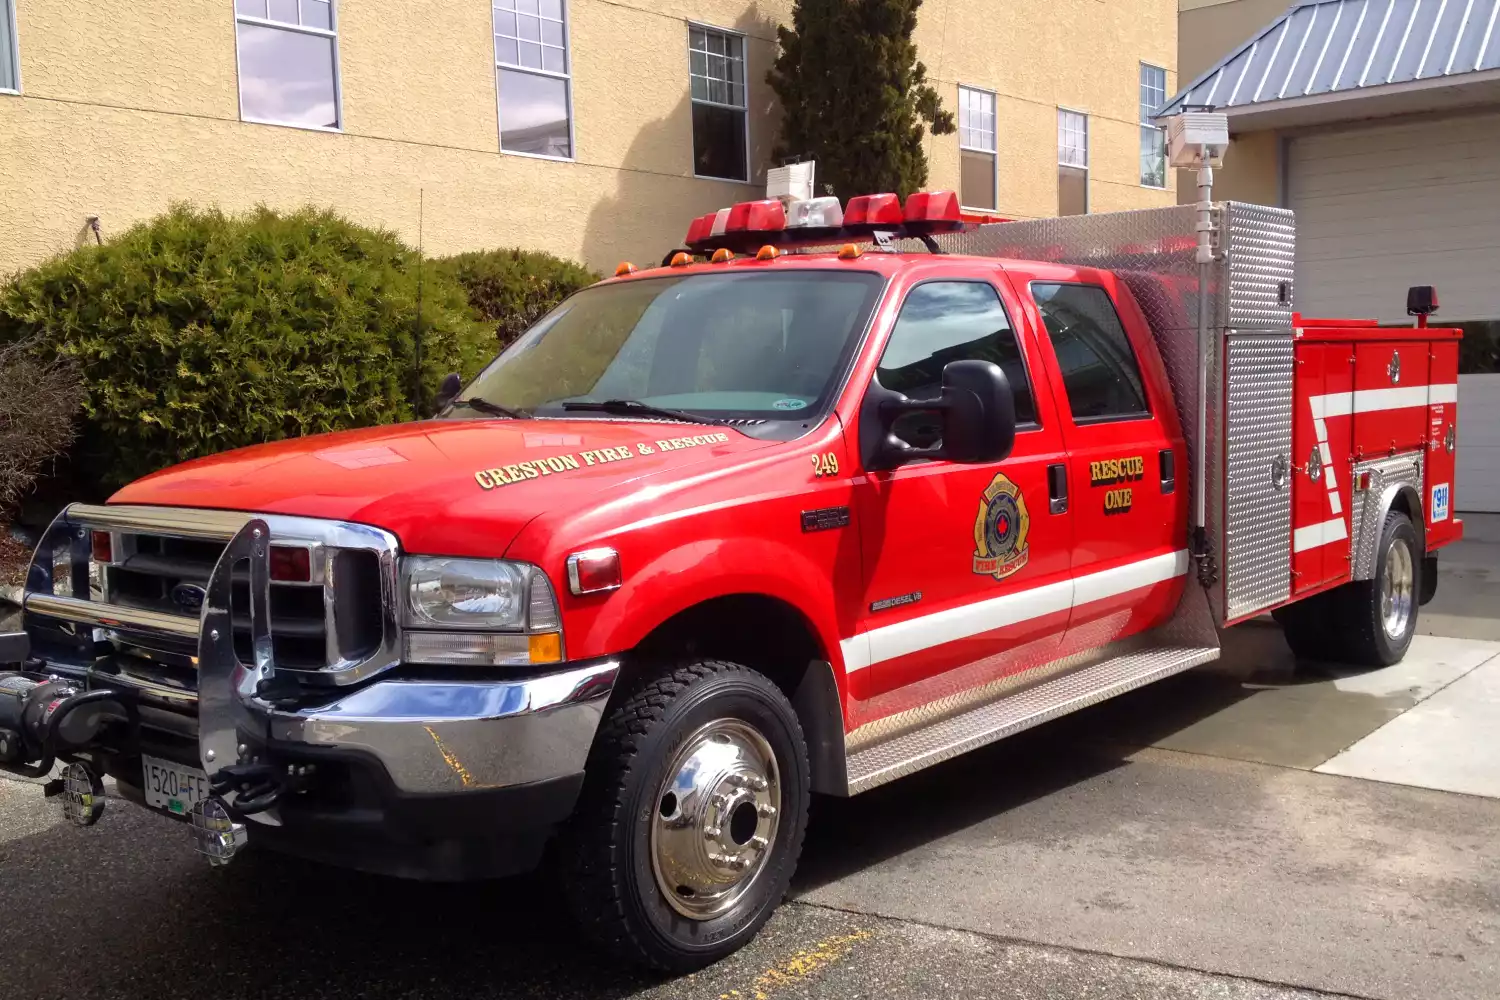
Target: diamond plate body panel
[[1257, 440], [1032, 706], [1388, 477], [1259, 244]]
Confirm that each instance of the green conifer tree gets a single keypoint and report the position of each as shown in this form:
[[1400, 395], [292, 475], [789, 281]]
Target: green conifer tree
[[854, 96]]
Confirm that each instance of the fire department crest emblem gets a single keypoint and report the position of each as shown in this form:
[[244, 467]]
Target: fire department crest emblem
[[1000, 530]]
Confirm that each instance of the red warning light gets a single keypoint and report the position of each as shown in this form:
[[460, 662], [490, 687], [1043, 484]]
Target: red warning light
[[874, 210]]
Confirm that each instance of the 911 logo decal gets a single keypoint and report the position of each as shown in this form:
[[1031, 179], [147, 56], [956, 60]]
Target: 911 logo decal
[[1000, 530], [1440, 502]]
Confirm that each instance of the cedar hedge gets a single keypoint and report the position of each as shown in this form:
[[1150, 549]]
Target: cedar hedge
[[512, 289], [198, 332]]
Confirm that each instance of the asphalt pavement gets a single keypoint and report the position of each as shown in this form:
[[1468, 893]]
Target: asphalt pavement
[[1245, 830]]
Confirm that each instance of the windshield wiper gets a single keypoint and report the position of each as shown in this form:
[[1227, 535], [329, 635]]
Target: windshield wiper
[[493, 409], [629, 407]]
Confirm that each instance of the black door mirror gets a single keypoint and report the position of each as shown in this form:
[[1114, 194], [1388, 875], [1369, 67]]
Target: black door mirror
[[449, 390], [977, 409]]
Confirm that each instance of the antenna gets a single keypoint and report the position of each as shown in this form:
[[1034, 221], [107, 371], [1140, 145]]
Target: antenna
[[416, 404]]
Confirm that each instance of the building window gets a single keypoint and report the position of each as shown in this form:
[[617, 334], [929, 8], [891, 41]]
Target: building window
[[1153, 137], [531, 75], [716, 66], [1072, 162], [976, 148], [10, 64], [289, 62]]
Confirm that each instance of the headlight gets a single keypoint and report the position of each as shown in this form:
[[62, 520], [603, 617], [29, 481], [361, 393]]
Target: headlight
[[449, 601]]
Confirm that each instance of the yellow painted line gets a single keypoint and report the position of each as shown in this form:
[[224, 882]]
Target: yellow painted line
[[453, 761], [800, 967]]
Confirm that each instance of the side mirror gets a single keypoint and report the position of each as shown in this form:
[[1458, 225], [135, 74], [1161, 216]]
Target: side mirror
[[449, 390], [977, 409]]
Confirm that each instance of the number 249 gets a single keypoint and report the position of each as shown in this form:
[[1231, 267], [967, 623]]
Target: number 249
[[826, 464]]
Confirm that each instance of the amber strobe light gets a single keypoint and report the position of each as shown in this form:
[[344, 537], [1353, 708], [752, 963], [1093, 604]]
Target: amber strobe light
[[594, 571]]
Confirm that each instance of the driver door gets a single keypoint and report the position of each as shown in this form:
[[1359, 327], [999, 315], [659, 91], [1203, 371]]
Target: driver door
[[966, 567]]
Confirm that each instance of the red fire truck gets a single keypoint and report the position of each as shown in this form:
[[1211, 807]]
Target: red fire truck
[[760, 522]]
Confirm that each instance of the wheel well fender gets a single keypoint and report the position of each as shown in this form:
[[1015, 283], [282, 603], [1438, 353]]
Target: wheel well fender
[[1402, 497]]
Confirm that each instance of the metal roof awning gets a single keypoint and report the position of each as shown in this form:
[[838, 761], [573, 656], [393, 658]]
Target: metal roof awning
[[1389, 55]]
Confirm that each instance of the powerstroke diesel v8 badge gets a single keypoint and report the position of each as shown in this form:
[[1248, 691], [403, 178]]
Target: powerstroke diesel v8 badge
[[1000, 529], [535, 468]]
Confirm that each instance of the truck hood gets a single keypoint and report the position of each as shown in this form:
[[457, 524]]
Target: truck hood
[[447, 487]]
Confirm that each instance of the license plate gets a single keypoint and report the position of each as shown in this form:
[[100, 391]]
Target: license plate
[[171, 786]]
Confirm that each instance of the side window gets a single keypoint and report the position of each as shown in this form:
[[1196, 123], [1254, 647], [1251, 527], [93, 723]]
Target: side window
[[943, 321], [1099, 367]]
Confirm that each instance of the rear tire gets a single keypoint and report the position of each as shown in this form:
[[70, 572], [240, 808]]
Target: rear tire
[[691, 818], [1368, 623]]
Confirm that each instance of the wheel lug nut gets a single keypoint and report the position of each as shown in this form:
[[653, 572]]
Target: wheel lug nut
[[737, 780], [711, 832], [720, 801], [758, 783], [766, 810], [759, 843]]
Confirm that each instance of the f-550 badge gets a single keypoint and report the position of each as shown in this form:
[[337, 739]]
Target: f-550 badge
[[1000, 530]]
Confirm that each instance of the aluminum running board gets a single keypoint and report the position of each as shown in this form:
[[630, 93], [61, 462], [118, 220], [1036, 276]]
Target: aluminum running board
[[911, 751]]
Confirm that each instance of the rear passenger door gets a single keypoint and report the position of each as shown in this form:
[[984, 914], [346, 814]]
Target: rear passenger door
[[1127, 470], [966, 568]]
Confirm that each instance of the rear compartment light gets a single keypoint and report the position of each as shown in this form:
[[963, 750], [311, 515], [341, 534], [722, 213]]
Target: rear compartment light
[[874, 210], [291, 564], [933, 206], [102, 546], [594, 571], [765, 216]]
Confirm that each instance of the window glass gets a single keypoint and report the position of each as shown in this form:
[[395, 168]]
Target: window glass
[[532, 77], [287, 74], [1153, 138], [976, 141], [716, 74], [767, 346], [9, 77], [1072, 163], [943, 321], [1099, 367]]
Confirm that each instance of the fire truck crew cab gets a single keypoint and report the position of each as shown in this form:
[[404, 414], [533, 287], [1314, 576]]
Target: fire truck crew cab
[[716, 535]]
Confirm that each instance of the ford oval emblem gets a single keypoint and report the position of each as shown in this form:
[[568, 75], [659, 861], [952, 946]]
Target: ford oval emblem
[[189, 597]]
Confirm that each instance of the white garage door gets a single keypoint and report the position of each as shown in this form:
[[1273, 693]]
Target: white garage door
[[1382, 208]]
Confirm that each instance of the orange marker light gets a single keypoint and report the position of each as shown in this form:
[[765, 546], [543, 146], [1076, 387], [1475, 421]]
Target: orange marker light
[[680, 259], [722, 255], [544, 647], [625, 268], [850, 251], [767, 252]]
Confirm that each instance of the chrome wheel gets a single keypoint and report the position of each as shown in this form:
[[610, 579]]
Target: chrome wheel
[[1397, 590], [716, 817]]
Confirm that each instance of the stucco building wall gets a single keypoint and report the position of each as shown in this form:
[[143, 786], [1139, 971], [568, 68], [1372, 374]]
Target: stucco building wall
[[130, 105]]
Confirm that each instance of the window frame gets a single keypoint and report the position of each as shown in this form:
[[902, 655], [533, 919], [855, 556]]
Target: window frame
[[338, 64], [1085, 166], [15, 47], [566, 77], [743, 109], [993, 153], [1034, 424], [1149, 413], [1146, 123]]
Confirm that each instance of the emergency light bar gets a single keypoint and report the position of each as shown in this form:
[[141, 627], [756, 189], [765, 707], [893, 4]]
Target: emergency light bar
[[750, 225]]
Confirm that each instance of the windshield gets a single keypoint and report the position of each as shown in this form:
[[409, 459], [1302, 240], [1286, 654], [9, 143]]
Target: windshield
[[755, 345]]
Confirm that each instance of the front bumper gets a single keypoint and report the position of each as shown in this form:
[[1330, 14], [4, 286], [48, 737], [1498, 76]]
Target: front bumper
[[409, 775]]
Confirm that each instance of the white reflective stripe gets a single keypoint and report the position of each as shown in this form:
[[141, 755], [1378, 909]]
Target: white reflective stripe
[[1338, 505], [1375, 400], [1325, 452], [1131, 576], [856, 652], [1444, 393], [1335, 404], [1315, 535], [1321, 428], [952, 624], [1333, 483]]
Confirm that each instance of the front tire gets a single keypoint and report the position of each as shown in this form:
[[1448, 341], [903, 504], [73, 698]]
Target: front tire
[[691, 818]]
